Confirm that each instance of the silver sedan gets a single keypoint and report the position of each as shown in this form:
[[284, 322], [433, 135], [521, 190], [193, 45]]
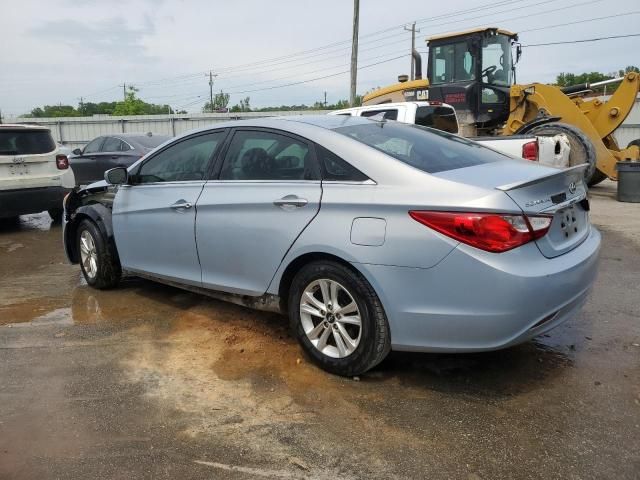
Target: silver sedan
[[370, 235]]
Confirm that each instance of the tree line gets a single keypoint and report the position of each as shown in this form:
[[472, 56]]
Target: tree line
[[133, 105]]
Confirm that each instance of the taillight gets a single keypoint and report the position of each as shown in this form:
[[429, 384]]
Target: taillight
[[493, 232], [530, 150], [62, 162]]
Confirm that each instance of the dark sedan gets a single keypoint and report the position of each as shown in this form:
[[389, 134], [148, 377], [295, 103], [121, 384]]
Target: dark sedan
[[106, 152]]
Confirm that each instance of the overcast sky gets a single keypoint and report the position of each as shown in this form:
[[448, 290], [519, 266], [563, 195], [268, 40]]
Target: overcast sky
[[56, 51]]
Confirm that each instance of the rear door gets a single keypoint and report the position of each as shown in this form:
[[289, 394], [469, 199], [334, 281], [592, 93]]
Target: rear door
[[266, 192], [154, 217], [85, 166], [116, 153]]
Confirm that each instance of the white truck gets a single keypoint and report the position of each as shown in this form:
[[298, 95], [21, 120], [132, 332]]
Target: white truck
[[552, 151]]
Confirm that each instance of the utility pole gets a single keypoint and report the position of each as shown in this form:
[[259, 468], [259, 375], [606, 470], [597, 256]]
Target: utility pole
[[354, 52], [211, 76], [81, 106], [325, 99], [413, 46], [124, 91]]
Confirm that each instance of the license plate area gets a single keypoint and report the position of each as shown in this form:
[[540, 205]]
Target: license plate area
[[19, 169], [570, 226]]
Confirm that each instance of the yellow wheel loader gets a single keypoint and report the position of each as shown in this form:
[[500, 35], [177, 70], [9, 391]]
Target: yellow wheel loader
[[474, 71]]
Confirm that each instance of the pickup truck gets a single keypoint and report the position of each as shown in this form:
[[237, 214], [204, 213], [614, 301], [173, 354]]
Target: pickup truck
[[552, 151]]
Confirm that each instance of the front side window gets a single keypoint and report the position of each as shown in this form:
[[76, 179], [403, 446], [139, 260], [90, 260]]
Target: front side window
[[452, 63], [496, 61], [187, 160], [260, 155], [93, 146], [426, 149]]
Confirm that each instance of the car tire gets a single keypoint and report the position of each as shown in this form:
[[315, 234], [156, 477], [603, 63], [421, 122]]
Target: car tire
[[55, 214], [100, 267], [331, 336]]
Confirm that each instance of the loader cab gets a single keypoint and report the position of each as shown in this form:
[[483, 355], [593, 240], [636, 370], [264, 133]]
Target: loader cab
[[473, 71]]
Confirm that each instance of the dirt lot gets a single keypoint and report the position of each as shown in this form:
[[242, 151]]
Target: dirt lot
[[148, 381]]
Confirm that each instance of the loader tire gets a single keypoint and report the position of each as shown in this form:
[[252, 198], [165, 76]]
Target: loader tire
[[582, 149]]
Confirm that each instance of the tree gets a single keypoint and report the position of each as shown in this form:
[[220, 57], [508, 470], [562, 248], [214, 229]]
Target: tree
[[568, 79], [220, 102], [243, 106], [131, 105]]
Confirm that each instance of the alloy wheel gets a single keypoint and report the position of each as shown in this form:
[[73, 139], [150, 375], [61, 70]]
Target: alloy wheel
[[330, 318], [88, 254]]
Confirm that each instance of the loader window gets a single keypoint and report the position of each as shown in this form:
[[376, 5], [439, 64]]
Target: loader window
[[496, 60], [452, 63]]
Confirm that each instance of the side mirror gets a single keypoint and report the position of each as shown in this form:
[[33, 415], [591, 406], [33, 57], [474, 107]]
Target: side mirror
[[77, 151], [116, 176]]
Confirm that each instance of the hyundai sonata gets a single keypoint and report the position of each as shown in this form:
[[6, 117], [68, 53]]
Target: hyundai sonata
[[370, 235]]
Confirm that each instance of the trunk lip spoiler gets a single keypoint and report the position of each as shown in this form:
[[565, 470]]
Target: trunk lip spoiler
[[513, 186]]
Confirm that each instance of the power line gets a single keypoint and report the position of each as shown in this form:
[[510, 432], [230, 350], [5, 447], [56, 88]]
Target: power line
[[586, 20], [583, 40]]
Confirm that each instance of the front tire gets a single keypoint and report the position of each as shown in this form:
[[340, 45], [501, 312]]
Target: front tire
[[100, 268], [338, 318]]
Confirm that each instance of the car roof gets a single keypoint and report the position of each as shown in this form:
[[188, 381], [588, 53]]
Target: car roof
[[21, 126]]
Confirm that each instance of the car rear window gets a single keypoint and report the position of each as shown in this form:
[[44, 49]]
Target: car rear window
[[427, 149], [26, 142]]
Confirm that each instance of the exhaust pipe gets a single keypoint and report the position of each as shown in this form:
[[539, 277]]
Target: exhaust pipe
[[417, 63]]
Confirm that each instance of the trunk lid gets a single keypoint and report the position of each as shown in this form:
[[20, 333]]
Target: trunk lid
[[538, 190], [561, 195]]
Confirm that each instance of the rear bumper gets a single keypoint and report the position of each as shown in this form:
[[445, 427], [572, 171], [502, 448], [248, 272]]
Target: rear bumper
[[30, 200], [475, 300]]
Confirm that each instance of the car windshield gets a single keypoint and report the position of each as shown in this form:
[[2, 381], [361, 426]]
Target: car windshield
[[25, 142], [427, 149]]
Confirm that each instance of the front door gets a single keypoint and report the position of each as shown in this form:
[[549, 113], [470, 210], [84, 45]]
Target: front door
[[267, 192], [154, 216]]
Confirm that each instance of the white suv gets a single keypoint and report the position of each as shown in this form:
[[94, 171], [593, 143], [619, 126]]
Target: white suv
[[34, 175]]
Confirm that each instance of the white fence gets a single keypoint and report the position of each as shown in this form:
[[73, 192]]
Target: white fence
[[78, 131]]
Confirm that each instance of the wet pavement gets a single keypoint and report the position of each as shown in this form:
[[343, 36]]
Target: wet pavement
[[148, 381]]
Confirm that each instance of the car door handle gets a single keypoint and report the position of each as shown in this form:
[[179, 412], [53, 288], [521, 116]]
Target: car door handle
[[180, 204], [290, 201]]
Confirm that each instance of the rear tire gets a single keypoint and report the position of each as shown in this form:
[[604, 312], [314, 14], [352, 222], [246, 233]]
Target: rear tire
[[100, 268], [582, 149], [333, 337]]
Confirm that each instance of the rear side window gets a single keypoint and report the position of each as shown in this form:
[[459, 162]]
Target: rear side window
[[26, 142], [335, 168], [387, 114], [427, 149], [440, 118], [264, 155]]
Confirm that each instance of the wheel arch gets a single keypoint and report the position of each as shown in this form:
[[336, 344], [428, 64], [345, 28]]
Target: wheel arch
[[100, 216], [294, 266]]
